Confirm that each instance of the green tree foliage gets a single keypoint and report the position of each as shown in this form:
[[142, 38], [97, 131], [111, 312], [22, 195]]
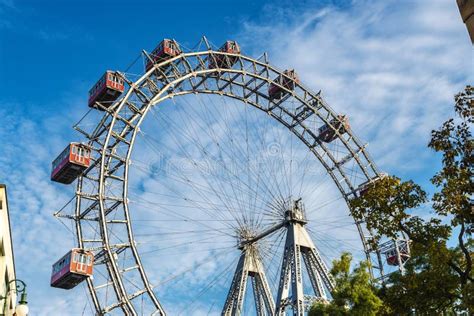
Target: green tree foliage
[[428, 286], [384, 208], [438, 278], [354, 293], [455, 179]]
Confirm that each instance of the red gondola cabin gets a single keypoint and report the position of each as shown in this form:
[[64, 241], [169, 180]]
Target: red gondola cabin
[[327, 132], [73, 268], [165, 50], [392, 257], [288, 81], [109, 87], [74, 159], [221, 61]]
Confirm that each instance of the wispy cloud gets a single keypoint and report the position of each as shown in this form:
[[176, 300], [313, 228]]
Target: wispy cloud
[[6, 6], [10, 4], [392, 66], [53, 35], [28, 147]]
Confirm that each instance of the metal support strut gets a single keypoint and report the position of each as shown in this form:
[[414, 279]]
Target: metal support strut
[[299, 245], [250, 265]]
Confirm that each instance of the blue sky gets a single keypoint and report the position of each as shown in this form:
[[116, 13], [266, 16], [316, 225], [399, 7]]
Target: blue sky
[[392, 66]]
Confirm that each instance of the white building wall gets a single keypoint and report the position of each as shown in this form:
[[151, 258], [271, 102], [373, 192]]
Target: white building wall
[[7, 266]]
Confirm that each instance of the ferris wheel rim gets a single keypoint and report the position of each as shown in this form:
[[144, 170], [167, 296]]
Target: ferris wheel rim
[[114, 111]]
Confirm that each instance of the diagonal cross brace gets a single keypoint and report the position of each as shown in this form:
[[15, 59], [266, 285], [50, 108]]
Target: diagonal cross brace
[[250, 265]]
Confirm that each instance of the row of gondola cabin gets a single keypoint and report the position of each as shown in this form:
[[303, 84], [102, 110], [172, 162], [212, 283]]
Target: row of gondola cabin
[[73, 268], [287, 80], [72, 161], [109, 87], [225, 61], [327, 132], [167, 49]]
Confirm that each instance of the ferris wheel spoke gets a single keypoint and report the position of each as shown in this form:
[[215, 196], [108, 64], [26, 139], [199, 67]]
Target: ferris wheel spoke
[[233, 150], [272, 256], [193, 204], [247, 186], [184, 237], [172, 212], [211, 257], [172, 236], [198, 188], [264, 178], [236, 144], [212, 188], [225, 271], [331, 247], [247, 190], [324, 204], [307, 164], [184, 218], [193, 251], [237, 149], [209, 239]]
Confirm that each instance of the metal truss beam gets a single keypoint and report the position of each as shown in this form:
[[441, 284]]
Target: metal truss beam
[[298, 246], [250, 266]]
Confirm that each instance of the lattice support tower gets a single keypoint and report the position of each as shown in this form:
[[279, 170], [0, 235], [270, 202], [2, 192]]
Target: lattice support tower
[[250, 266], [299, 245]]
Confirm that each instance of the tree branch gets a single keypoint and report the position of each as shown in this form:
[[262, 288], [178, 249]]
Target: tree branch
[[466, 253]]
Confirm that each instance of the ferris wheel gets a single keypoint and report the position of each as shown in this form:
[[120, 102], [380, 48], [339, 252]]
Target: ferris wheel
[[205, 173]]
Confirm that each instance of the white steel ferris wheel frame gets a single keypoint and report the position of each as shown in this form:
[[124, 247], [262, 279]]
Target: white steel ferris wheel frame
[[102, 189]]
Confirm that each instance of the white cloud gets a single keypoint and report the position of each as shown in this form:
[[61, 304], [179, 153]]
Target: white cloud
[[392, 66], [39, 239]]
